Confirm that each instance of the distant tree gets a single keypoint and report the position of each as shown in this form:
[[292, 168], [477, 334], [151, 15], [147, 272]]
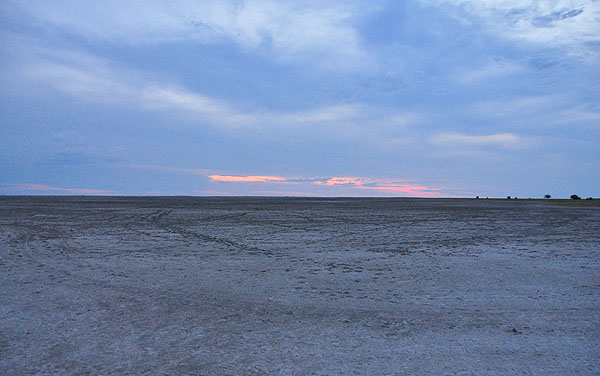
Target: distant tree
[[508, 197], [547, 196], [589, 198], [575, 197]]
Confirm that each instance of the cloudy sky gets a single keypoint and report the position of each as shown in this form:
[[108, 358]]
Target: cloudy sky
[[329, 98]]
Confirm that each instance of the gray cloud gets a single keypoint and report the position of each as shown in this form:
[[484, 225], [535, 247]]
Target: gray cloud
[[551, 19], [566, 24]]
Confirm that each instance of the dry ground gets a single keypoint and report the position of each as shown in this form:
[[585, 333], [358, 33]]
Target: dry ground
[[244, 286]]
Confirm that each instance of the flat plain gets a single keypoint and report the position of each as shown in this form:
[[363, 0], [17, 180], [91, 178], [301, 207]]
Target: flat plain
[[298, 286]]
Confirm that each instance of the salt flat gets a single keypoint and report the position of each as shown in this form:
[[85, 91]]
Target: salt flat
[[298, 286]]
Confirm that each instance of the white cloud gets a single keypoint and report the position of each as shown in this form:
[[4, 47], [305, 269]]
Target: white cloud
[[92, 83], [324, 114], [578, 115], [293, 30], [566, 23], [505, 140], [494, 69], [523, 106], [87, 78], [156, 97]]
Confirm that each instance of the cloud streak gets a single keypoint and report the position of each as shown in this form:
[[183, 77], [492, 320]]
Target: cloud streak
[[507, 140], [88, 78], [299, 30], [565, 23], [491, 70], [47, 189], [246, 179], [354, 185]]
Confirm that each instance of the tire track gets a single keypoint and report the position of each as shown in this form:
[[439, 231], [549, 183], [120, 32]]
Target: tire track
[[158, 218]]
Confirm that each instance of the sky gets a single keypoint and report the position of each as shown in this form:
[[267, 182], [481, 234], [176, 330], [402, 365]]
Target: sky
[[423, 98]]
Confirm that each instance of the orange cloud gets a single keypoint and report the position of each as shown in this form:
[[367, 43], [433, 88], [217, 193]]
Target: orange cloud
[[246, 179]]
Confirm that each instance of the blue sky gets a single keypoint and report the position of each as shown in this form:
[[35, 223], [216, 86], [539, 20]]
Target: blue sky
[[328, 98]]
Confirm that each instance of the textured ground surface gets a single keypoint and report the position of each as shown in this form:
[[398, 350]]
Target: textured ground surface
[[297, 286]]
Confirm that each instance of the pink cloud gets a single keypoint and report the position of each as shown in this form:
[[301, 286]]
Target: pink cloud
[[349, 185], [382, 186], [247, 179], [412, 190], [47, 188]]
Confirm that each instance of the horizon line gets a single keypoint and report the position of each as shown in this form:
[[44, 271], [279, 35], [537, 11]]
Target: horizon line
[[300, 196]]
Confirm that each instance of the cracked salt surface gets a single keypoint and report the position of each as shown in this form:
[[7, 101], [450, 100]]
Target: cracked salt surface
[[297, 286]]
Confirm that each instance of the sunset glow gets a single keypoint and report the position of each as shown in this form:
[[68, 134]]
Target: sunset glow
[[410, 190], [245, 179], [353, 185]]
